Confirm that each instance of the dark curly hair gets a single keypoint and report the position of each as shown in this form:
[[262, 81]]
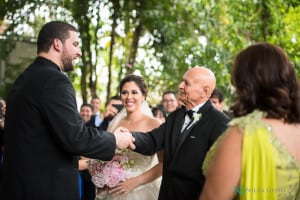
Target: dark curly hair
[[138, 80], [265, 80]]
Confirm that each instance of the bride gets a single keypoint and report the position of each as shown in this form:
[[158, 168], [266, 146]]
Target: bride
[[136, 116]]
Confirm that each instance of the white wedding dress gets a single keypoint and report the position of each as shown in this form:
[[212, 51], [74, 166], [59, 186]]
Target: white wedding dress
[[142, 164]]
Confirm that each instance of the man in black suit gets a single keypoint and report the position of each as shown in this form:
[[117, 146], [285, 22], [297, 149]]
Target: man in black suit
[[186, 136], [217, 99], [44, 133]]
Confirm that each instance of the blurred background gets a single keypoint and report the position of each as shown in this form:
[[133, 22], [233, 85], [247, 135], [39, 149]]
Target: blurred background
[[158, 39]]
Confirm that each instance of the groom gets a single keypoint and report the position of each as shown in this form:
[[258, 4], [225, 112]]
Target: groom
[[44, 133], [185, 137]]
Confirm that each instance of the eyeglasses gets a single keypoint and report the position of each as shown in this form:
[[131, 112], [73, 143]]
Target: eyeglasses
[[169, 100]]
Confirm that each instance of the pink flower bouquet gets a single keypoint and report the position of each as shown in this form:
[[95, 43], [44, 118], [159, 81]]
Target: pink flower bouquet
[[109, 173]]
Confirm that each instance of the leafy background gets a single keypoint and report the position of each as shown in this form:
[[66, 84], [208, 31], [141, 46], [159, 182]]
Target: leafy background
[[159, 40]]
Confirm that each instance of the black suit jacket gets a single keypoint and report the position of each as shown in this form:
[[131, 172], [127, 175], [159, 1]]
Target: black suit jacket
[[45, 135], [182, 166], [103, 126]]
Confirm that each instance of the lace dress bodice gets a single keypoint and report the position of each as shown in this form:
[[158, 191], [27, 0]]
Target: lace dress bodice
[[141, 164]]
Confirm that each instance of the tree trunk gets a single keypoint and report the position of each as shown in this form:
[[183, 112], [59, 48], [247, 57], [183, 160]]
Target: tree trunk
[[115, 17], [134, 47]]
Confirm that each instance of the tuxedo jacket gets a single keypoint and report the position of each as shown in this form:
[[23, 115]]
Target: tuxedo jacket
[[44, 135], [183, 152]]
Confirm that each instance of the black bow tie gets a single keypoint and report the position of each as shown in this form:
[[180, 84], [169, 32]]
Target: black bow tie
[[189, 113]]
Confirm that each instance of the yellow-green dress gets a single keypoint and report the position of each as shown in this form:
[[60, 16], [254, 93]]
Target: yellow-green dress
[[269, 171]]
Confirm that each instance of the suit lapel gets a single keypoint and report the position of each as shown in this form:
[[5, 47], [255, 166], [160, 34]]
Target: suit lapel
[[185, 133], [203, 110], [178, 122]]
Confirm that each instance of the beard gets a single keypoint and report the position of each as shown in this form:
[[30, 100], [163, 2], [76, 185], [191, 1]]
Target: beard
[[67, 62]]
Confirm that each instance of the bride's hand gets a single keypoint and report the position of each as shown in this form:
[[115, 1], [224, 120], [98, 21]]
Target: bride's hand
[[123, 188]]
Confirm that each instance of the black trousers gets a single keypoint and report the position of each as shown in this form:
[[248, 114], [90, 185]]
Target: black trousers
[[88, 187]]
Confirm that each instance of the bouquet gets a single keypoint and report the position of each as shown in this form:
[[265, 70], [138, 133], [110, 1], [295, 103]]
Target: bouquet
[[109, 173]]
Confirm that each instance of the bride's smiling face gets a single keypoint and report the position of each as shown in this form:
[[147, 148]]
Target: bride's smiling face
[[131, 96]]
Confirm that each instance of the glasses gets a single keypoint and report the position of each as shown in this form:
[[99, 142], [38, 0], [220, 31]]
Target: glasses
[[170, 100]]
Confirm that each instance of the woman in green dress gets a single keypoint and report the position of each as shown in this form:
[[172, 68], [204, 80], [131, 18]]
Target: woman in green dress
[[258, 157]]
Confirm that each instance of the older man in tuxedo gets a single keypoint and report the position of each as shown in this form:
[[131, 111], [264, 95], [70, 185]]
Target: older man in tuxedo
[[186, 136]]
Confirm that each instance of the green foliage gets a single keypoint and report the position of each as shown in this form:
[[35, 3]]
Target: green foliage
[[159, 39]]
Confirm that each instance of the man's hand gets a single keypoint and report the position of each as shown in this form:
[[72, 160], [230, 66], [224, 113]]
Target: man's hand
[[124, 138]]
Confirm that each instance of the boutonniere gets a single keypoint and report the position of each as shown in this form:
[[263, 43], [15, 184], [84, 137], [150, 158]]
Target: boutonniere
[[196, 117]]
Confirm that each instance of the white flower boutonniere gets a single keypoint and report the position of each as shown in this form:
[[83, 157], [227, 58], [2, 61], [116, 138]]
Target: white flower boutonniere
[[196, 117]]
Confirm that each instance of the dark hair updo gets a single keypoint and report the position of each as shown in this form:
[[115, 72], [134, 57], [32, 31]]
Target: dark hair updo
[[140, 82]]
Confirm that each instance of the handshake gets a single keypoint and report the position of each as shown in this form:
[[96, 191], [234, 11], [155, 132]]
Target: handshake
[[124, 138]]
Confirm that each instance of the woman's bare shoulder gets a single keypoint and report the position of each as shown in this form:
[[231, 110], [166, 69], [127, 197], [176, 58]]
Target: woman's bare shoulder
[[152, 122]]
